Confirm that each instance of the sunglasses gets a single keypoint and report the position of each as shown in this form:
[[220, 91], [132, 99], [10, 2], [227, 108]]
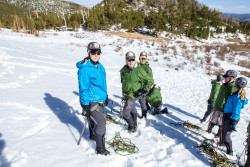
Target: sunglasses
[[95, 52], [131, 60], [143, 58]]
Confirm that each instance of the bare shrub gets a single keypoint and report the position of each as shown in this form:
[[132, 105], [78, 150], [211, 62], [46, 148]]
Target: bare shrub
[[164, 48], [156, 60], [153, 43], [208, 48], [156, 53], [150, 54], [219, 71], [118, 48], [243, 53], [245, 73], [244, 63], [216, 64], [208, 59], [175, 51], [208, 70], [166, 58], [231, 59], [221, 53]]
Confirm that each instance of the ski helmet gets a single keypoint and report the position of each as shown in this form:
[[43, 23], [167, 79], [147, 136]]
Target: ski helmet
[[219, 77], [130, 55], [241, 82], [230, 73], [94, 46]]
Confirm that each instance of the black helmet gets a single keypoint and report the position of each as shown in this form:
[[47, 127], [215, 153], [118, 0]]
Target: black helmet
[[219, 77], [230, 73], [94, 46], [241, 82]]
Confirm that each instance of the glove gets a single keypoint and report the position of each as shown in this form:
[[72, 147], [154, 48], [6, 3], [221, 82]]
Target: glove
[[86, 110], [232, 124], [139, 93], [107, 100]]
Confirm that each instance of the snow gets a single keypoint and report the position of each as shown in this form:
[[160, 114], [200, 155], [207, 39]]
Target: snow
[[40, 119]]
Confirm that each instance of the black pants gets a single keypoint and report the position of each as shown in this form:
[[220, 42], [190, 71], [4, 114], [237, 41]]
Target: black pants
[[98, 125], [226, 134]]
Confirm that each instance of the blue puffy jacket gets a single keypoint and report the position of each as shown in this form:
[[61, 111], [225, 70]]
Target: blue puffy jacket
[[92, 82], [234, 105]]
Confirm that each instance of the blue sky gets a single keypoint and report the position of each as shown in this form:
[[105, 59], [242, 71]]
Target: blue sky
[[225, 6]]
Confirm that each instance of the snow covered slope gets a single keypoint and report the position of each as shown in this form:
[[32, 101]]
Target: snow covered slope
[[40, 119]]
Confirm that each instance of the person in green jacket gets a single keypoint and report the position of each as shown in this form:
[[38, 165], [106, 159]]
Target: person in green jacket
[[154, 97], [135, 83], [226, 90], [216, 84]]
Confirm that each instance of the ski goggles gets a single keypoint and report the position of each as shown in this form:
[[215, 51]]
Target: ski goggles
[[143, 58], [93, 52], [131, 60]]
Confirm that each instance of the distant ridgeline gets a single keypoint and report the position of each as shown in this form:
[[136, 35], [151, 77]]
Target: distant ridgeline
[[187, 17], [241, 17]]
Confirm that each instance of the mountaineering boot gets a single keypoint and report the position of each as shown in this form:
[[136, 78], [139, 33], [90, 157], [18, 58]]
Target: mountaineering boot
[[106, 152], [100, 148], [210, 127], [165, 110]]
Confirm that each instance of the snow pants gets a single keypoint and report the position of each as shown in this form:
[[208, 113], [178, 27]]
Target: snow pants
[[217, 118]]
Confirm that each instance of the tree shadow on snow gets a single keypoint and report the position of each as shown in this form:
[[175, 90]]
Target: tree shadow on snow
[[176, 109], [178, 133], [66, 114], [3, 160]]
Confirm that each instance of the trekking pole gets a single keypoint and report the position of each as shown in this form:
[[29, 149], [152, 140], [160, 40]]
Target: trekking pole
[[86, 121], [84, 127]]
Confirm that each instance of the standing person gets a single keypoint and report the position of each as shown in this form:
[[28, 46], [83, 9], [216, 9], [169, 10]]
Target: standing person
[[226, 90], [135, 83], [216, 84], [93, 93], [154, 97], [232, 110]]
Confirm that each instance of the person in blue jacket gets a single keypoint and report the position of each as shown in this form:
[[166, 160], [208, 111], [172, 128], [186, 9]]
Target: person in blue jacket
[[93, 94], [232, 110]]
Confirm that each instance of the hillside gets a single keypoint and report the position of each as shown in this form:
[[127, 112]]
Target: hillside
[[40, 115]]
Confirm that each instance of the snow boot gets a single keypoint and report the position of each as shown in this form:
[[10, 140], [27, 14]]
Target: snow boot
[[100, 146], [210, 127], [204, 119], [156, 111]]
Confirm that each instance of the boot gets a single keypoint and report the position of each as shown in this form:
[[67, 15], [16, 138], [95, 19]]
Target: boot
[[148, 107], [165, 110], [100, 146], [210, 127]]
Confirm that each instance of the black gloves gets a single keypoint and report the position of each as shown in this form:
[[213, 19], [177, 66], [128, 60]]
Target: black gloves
[[232, 124], [139, 93], [107, 100], [86, 110]]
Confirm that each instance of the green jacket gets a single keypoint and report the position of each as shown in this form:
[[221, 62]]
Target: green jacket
[[225, 91], [134, 79], [214, 91], [146, 68], [248, 128]]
